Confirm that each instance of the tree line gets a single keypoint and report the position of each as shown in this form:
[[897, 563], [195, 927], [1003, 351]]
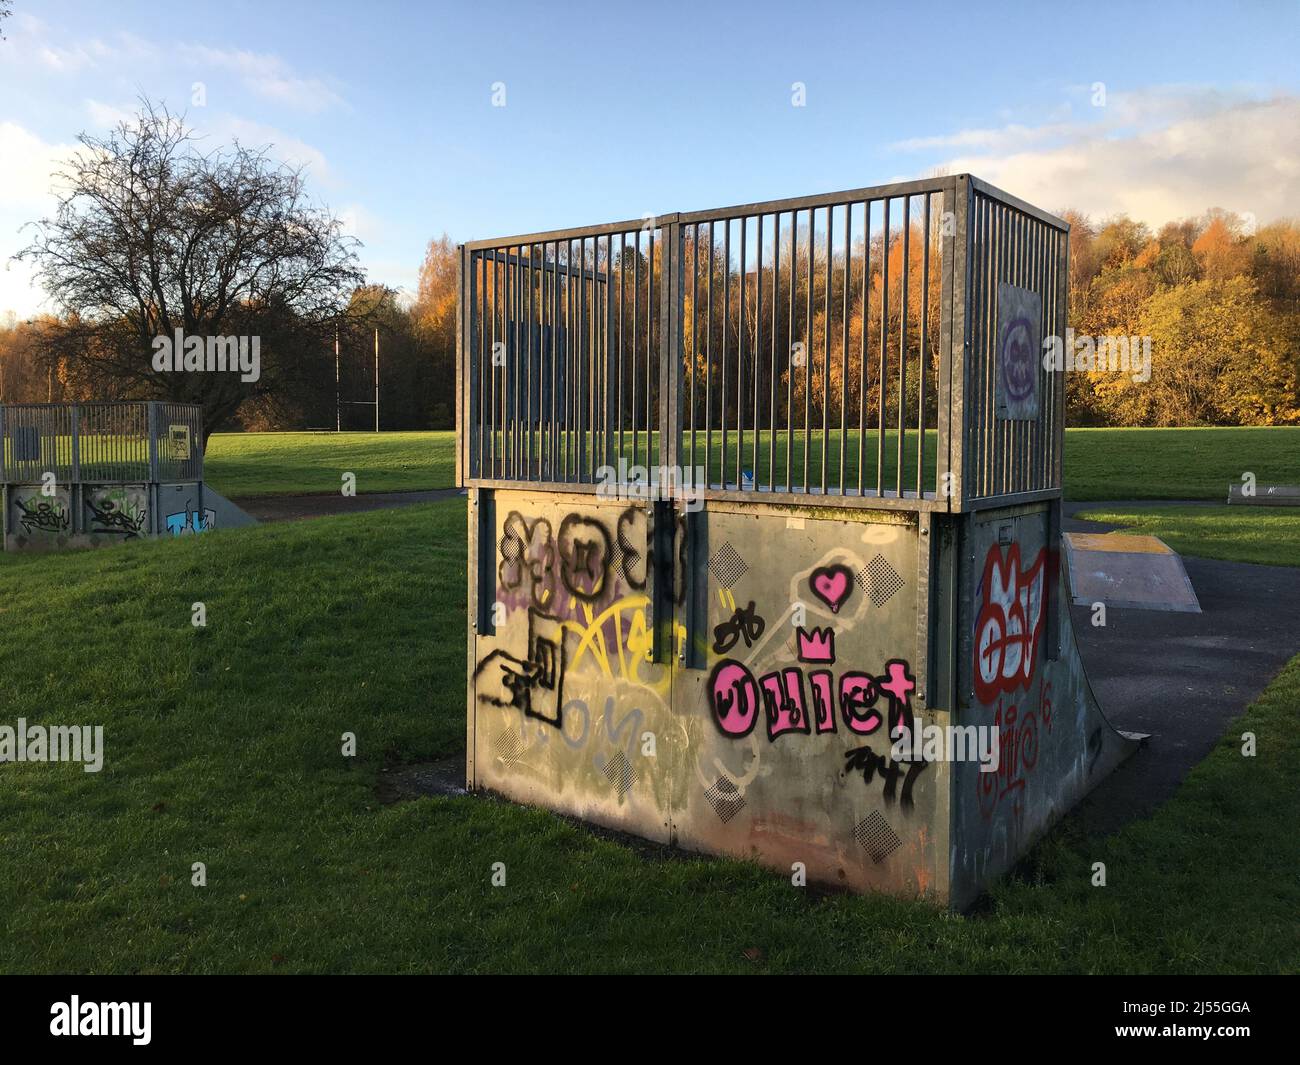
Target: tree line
[[153, 237]]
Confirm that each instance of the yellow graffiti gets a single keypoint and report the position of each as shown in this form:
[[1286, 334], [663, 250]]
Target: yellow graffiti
[[633, 642]]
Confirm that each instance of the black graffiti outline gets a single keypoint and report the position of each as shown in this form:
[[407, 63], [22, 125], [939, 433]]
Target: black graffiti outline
[[868, 762], [824, 636], [116, 521], [629, 555], [44, 516], [576, 553], [787, 681], [543, 669], [538, 571], [752, 696], [828, 571], [745, 623]]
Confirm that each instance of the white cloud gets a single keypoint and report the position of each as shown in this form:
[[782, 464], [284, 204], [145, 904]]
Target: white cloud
[[279, 145], [107, 116], [1158, 155], [26, 166], [265, 74]]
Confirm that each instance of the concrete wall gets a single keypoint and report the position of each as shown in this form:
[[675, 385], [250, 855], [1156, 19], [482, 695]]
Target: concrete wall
[[96, 515], [759, 724], [775, 748], [1019, 668]]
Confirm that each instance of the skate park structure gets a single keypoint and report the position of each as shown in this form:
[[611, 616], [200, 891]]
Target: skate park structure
[[757, 493], [93, 474]]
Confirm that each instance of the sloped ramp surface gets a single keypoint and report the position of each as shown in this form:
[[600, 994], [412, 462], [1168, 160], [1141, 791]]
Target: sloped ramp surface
[[227, 514], [1122, 570]]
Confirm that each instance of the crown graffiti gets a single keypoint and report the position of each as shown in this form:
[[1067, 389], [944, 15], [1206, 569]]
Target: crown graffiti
[[817, 645]]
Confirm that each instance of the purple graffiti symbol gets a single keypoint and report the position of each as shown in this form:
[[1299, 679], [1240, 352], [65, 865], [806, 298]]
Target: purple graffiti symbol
[[1019, 370]]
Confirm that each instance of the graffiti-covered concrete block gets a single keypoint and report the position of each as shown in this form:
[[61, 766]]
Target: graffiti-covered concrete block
[[818, 700], [39, 518], [112, 513]]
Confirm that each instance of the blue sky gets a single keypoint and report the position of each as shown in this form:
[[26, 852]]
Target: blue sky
[[618, 110]]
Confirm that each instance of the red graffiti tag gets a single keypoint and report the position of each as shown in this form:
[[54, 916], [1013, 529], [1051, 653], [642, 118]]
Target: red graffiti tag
[[1010, 623]]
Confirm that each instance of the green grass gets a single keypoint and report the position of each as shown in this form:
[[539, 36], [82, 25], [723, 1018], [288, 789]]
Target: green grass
[[257, 464], [1099, 463], [223, 747], [1176, 463], [1267, 535]]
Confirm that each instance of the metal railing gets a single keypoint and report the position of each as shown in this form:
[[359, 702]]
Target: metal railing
[[101, 443], [842, 346]]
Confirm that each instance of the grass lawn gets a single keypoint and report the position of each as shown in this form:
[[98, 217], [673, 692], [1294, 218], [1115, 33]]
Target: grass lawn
[[1176, 463], [1099, 463], [1268, 535], [259, 464], [223, 746]]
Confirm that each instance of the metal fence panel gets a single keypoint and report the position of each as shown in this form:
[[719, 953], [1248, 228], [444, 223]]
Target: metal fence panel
[[844, 345], [101, 443]]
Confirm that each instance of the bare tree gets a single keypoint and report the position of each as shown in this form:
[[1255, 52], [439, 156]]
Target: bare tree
[[152, 236]]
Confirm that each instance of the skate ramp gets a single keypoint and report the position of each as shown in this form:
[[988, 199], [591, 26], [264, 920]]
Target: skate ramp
[[1122, 570]]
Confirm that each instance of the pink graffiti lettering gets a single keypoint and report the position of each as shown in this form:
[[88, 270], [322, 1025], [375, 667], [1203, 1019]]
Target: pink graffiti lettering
[[783, 697], [734, 697], [733, 694]]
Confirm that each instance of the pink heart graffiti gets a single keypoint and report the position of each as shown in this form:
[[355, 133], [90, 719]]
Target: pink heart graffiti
[[832, 585]]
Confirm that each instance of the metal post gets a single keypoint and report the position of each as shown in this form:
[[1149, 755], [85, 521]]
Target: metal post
[[338, 406], [376, 378], [153, 440]]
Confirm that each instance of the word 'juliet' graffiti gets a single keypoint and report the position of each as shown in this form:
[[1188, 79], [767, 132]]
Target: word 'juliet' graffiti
[[735, 695]]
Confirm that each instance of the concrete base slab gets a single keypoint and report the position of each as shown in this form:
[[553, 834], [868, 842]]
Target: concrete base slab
[[1120, 570]]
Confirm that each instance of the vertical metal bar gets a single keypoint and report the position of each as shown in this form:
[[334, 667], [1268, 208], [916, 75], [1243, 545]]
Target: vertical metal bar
[[494, 355], [844, 343], [636, 335], [695, 330], [740, 360], [924, 367], [708, 368], [611, 388], [484, 358], [584, 367], [152, 421], [758, 342], [671, 333], [808, 355], [884, 349], [622, 316], [826, 345], [902, 345], [473, 358], [789, 356], [953, 325], [649, 354], [726, 322], [866, 323], [507, 383], [771, 371]]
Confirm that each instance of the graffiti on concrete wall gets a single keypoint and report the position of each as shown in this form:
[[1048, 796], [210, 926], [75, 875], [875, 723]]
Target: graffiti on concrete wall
[[188, 522], [1008, 638], [116, 512], [533, 683], [1009, 626], [816, 694], [585, 581], [41, 515]]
